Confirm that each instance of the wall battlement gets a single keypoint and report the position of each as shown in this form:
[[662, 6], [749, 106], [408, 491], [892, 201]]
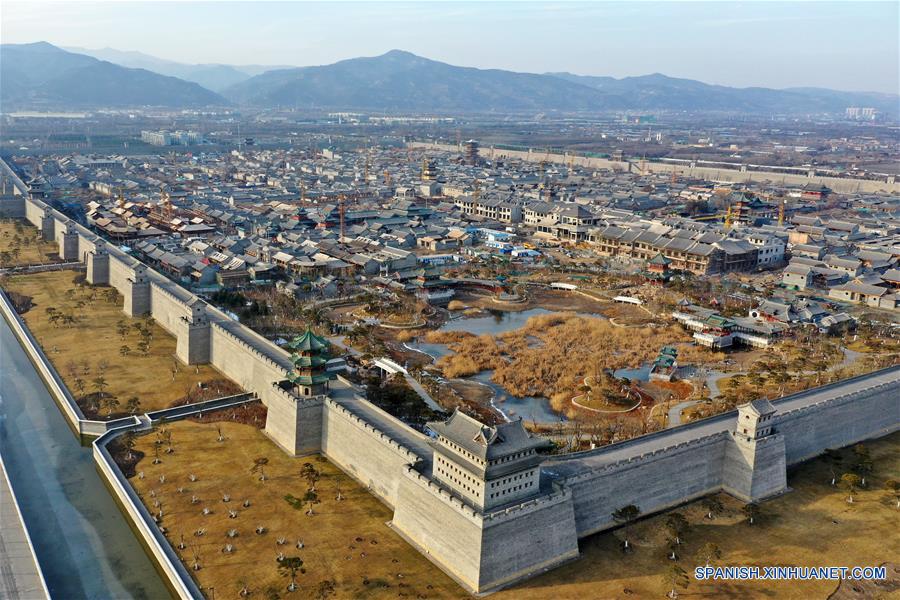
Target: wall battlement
[[484, 551], [249, 348], [366, 426]]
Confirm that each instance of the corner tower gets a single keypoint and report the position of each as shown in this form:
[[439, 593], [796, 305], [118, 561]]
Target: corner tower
[[488, 466]]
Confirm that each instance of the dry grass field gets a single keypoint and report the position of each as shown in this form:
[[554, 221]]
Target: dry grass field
[[91, 347], [552, 354], [21, 244], [813, 525], [346, 543]]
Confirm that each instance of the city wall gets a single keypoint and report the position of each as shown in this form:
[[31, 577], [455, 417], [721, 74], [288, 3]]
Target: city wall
[[369, 455], [486, 551], [839, 422], [653, 482], [723, 174]]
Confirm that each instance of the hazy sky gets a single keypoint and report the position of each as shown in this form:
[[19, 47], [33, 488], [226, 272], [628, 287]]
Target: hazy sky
[[848, 45]]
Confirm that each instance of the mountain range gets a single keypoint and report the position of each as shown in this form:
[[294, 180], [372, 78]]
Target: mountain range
[[212, 76], [44, 75], [41, 75]]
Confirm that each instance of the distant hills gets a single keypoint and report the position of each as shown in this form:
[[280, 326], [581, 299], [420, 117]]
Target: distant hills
[[661, 92], [213, 76], [402, 81], [43, 75]]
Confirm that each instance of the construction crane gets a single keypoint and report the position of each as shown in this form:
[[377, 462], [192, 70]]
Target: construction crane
[[166, 202], [341, 199], [781, 213]]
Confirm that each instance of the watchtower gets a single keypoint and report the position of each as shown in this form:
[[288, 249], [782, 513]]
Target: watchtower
[[755, 463], [488, 466]]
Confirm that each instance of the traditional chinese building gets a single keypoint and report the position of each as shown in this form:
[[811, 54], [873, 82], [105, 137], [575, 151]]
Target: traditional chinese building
[[488, 466], [658, 269], [309, 356]]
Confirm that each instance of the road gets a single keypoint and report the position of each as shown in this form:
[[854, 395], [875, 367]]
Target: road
[[20, 574]]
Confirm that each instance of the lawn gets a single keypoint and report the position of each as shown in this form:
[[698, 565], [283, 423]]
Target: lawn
[[812, 525], [346, 544], [21, 244], [91, 346]]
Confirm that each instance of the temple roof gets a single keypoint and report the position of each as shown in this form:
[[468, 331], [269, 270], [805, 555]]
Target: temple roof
[[308, 341], [484, 442]]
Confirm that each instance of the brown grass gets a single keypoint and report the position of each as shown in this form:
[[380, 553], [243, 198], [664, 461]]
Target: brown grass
[[32, 249], [407, 335], [345, 542], [811, 525], [94, 340], [552, 354]]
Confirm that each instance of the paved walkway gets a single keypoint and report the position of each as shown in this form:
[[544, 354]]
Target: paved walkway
[[352, 400], [424, 395], [20, 574], [567, 466]]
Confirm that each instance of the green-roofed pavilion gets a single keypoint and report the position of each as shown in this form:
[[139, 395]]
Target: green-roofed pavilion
[[309, 356]]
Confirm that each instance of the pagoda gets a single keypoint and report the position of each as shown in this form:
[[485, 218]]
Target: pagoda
[[658, 269], [309, 356]]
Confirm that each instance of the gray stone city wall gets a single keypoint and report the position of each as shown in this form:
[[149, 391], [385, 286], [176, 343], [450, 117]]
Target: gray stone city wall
[[363, 451], [652, 482], [295, 424], [167, 309], [120, 271], [441, 527], [531, 538], [840, 422], [12, 206], [723, 174], [242, 363], [754, 470], [34, 214]]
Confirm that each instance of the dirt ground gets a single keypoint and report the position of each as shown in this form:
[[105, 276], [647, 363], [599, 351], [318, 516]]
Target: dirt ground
[[812, 525], [346, 543], [41, 251], [79, 350]]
